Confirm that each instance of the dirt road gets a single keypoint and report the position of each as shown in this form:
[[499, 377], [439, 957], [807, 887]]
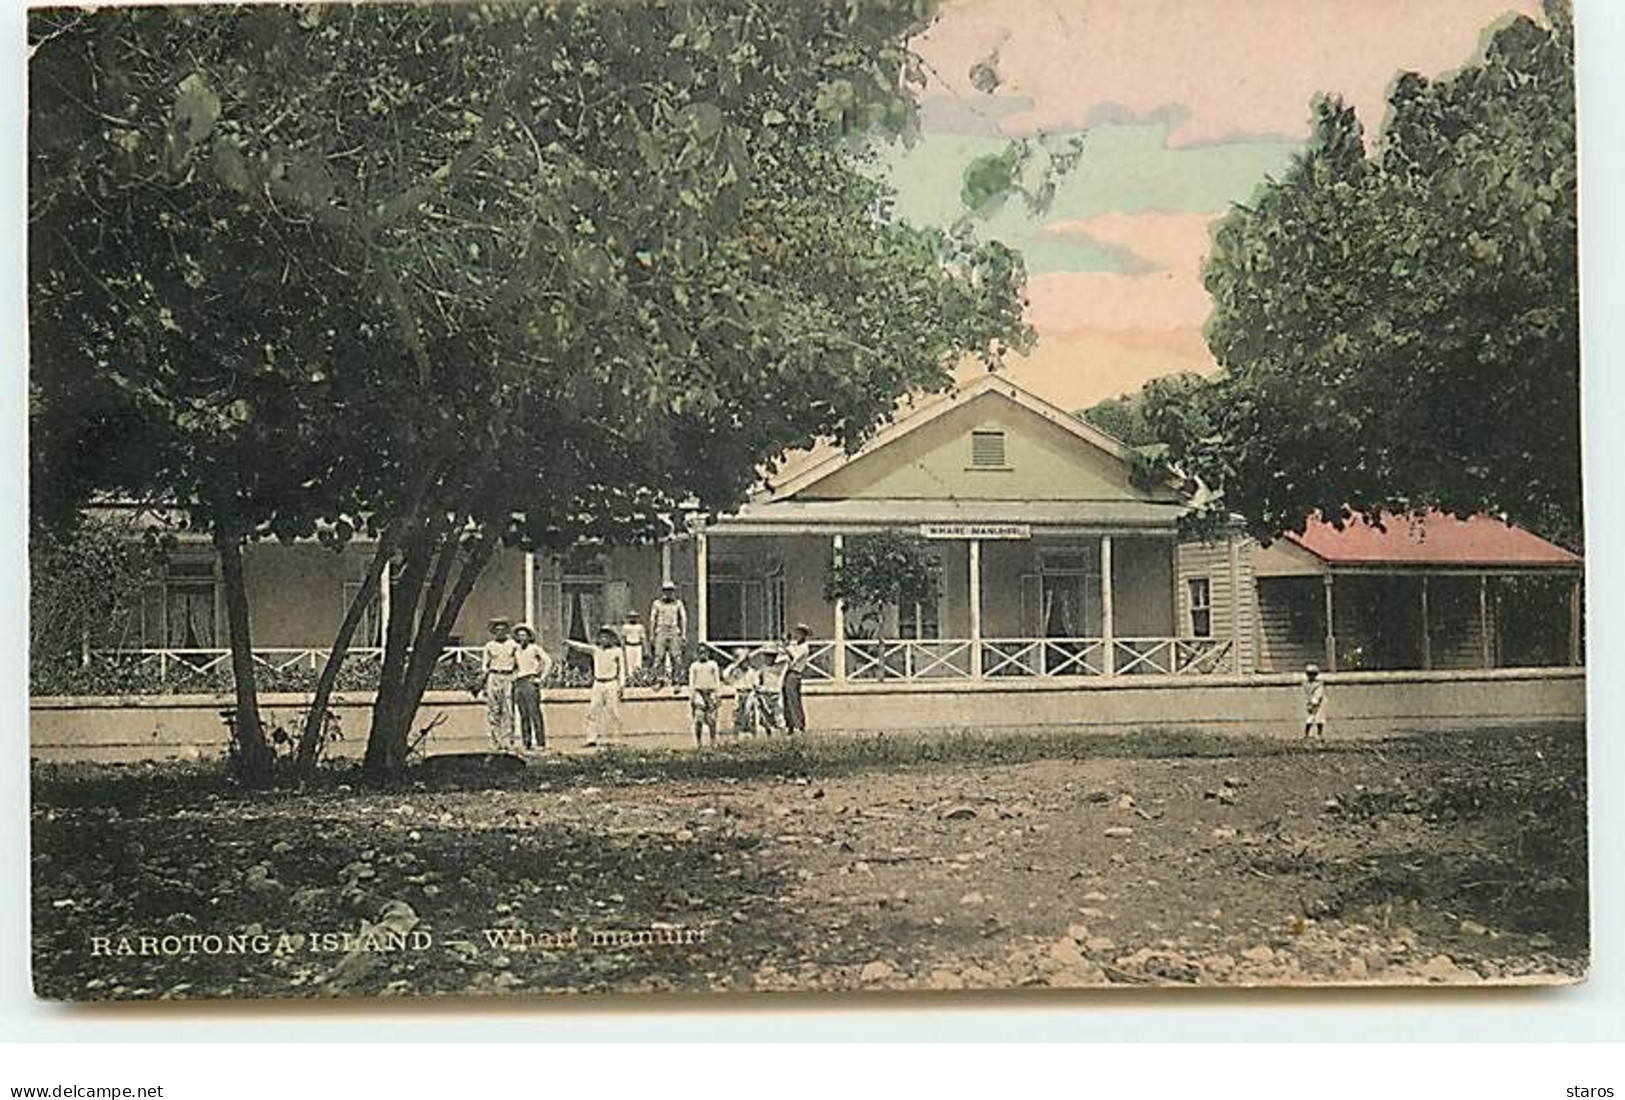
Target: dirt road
[[1062, 863]]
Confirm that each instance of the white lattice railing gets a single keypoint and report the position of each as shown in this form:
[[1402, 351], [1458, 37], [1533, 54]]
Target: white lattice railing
[[1043, 657], [1173, 656], [910, 659], [820, 662], [177, 662], [867, 659]]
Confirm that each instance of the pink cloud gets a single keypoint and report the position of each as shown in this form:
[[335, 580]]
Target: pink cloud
[[1167, 296], [1233, 67]]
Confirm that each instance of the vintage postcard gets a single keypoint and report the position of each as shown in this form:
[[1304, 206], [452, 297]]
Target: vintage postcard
[[804, 495]]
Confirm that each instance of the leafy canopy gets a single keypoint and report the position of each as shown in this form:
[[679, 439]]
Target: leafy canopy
[[1400, 331]]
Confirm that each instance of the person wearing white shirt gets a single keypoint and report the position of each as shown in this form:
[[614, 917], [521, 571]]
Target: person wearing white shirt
[[799, 655], [531, 667], [498, 660], [608, 680]]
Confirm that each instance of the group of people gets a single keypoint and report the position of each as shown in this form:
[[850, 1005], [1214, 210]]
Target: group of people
[[766, 686], [765, 682]]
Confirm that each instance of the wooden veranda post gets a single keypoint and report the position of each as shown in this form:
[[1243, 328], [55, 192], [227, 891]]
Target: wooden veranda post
[[976, 608], [1235, 604], [702, 588], [837, 545], [386, 580], [1108, 642], [1427, 635], [1486, 645], [1576, 624], [1331, 628], [530, 588]]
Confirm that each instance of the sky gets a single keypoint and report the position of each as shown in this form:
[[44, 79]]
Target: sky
[[1187, 107]]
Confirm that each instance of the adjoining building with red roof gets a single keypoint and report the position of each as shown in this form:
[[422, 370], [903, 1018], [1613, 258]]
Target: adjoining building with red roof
[[1428, 591]]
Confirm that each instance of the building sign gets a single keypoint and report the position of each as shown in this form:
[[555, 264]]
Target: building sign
[[976, 531]]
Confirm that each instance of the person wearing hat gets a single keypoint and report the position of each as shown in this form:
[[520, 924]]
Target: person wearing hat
[[798, 654], [532, 665], [1314, 702], [608, 681], [668, 625], [498, 662]]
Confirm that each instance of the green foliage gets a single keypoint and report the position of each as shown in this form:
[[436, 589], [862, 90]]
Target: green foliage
[[460, 275], [1173, 434], [1401, 331], [85, 585], [888, 569], [1028, 168]]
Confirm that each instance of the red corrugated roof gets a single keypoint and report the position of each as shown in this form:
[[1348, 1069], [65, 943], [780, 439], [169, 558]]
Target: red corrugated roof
[[1436, 538]]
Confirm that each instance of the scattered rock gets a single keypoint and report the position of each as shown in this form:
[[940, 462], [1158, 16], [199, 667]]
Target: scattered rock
[[1332, 806], [1442, 968], [973, 898], [958, 813], [1224, 832], [876, 972], [944, 979], [1259, 954], [1065, 954], [1473, 928], [1126, 802], [1119, 832]]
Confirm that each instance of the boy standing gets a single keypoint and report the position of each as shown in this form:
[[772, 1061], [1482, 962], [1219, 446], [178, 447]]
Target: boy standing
[[608, 678], [498, 661], [746, 678], [632, 640], [770, 689], [704, 684], [668, 622], [532, 665], [1314, 703]]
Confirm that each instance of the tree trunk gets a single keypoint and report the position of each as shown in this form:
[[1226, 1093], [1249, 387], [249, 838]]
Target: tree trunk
[[251, 755], [398, 702], [419, 549], [310, 739]]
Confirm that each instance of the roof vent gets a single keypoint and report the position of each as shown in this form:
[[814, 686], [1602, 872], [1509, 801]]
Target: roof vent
[[987, 450]]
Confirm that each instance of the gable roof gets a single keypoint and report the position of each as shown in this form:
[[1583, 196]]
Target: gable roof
[[1432, 539], [828, 458]]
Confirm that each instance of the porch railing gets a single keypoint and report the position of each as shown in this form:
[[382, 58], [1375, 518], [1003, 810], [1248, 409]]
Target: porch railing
[[1173, 656], [866, 660], [909, 659], [820, 663]]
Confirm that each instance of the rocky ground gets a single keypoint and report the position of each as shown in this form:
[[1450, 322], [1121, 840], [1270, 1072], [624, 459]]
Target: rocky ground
[[878, 863]]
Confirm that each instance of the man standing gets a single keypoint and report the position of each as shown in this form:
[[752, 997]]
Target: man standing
[[532, 667], [668, 623], [498, 661], [799, 653], [608, 681]]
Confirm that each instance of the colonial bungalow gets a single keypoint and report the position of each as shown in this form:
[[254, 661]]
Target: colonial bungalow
[[1055, 562]]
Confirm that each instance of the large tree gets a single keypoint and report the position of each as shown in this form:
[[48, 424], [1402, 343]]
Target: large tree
[[1399, 330], [462, 276]]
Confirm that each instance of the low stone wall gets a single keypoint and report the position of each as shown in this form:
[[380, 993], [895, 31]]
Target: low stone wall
[[1371, 704]]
